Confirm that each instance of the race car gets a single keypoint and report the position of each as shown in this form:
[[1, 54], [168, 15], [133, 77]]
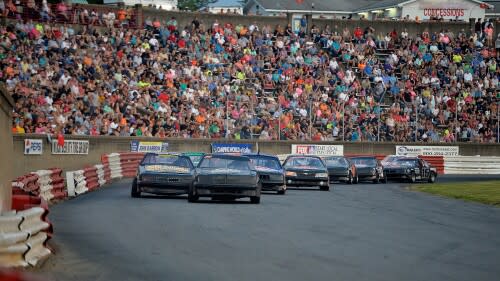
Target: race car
[[303, 170], [271, 173], [222, 176], [369, 169], [163, 174], [411, 169], [194, 156], [341, 168]]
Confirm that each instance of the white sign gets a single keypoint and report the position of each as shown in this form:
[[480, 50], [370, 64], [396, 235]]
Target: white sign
[[412, 150], [71, 147], [33, 146], [316, 149]]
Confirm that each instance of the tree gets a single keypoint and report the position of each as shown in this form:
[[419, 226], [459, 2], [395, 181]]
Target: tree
[[194, 5]]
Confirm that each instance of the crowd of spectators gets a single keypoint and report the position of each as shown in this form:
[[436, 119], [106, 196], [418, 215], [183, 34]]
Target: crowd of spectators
[[217, 80]]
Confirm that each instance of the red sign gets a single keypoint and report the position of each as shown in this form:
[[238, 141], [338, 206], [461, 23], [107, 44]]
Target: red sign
[[444, 12]]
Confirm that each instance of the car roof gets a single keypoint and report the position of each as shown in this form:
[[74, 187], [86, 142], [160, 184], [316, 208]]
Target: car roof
[[260, 154], [226, 156]]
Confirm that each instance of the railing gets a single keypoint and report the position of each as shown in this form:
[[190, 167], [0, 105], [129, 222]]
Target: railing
[[95, 15]]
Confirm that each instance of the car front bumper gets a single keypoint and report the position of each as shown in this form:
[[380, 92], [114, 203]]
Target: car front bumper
[[298, 181], [230, 191], [161, 187]]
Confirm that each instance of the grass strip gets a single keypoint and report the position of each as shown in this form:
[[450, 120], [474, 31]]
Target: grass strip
[[487, 192]]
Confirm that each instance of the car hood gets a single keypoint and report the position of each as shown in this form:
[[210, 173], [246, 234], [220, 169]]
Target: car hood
[[163, 169], [224, 171], [262, 169], [305, 169]]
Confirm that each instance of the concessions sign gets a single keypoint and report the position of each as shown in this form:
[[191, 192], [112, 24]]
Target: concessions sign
[[231, 148], [148, 146], [413, 150], [317, 149], [33, 146], [71, 147]]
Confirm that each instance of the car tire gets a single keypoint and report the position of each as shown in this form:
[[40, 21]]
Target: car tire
[[357, 179], [413, 177], [255, 199], [324, 188], [385, 179], [377, 180], [282, 192], [350, 179], [432, 178], [192, 197], [135, 193]]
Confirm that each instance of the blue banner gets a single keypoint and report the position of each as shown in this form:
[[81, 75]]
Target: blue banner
[[148, 146], [231, 147]]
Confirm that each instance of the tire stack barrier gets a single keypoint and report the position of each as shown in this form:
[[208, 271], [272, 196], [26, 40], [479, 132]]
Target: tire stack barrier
[[129, 161], [112, 162], [91, 178], [51, 184], [23, 237], [88, 179], [27, 183], [477, 165]]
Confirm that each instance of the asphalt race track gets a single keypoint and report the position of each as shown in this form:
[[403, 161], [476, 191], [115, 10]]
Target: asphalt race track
[[359, 232]]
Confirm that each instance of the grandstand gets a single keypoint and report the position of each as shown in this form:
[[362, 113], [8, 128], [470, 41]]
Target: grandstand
[[96, 70]]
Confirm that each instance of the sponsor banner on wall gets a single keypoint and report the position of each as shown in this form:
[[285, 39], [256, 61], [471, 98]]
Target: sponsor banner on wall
[[417, 150], [231, 148], [318, 149], [33, 146], [71, 147], [148, 146]]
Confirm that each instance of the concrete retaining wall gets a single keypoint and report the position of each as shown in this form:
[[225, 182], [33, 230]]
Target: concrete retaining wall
[[106, 144], [6, 171]]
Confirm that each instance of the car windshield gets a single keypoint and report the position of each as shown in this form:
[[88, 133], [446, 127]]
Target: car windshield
[[407, 162], [304, 162], [365, 161], [236, 163], [166, 159], [336, 162], [268, 162]]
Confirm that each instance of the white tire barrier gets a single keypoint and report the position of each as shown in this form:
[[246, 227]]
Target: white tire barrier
[[477, 165], [23, 238]]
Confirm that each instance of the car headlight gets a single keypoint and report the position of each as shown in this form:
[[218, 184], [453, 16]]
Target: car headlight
[[291, 174], [321, 175]]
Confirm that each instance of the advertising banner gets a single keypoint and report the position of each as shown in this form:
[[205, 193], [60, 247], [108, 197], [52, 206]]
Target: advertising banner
[[318, 149], [71, 147], [33, 146], [420, 150], [231, 147], [148, 146]]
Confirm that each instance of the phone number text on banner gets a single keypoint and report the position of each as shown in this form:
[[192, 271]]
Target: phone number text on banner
[[33, 146], [231, 147], [71, 147], [316, 149], [149, 146], [415, 150]]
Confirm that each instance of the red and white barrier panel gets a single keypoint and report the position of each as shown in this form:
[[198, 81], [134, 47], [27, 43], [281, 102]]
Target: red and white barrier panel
[[122, 164], [49, 184], [87, 179], [23, 237]]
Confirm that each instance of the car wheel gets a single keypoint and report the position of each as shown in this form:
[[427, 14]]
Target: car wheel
[[432, 178], [192, 197], [324, 188], [413, 177], [282, 191], [135, 193], [357, 179], [385, 179], [350, 179], [377, 180], [255, 199]]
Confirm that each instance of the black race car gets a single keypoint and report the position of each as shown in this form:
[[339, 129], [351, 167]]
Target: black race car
[[223, 176], [369, 168], [167, 174], [271, 173], [411, 169], [303, 170], [341, 168]]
